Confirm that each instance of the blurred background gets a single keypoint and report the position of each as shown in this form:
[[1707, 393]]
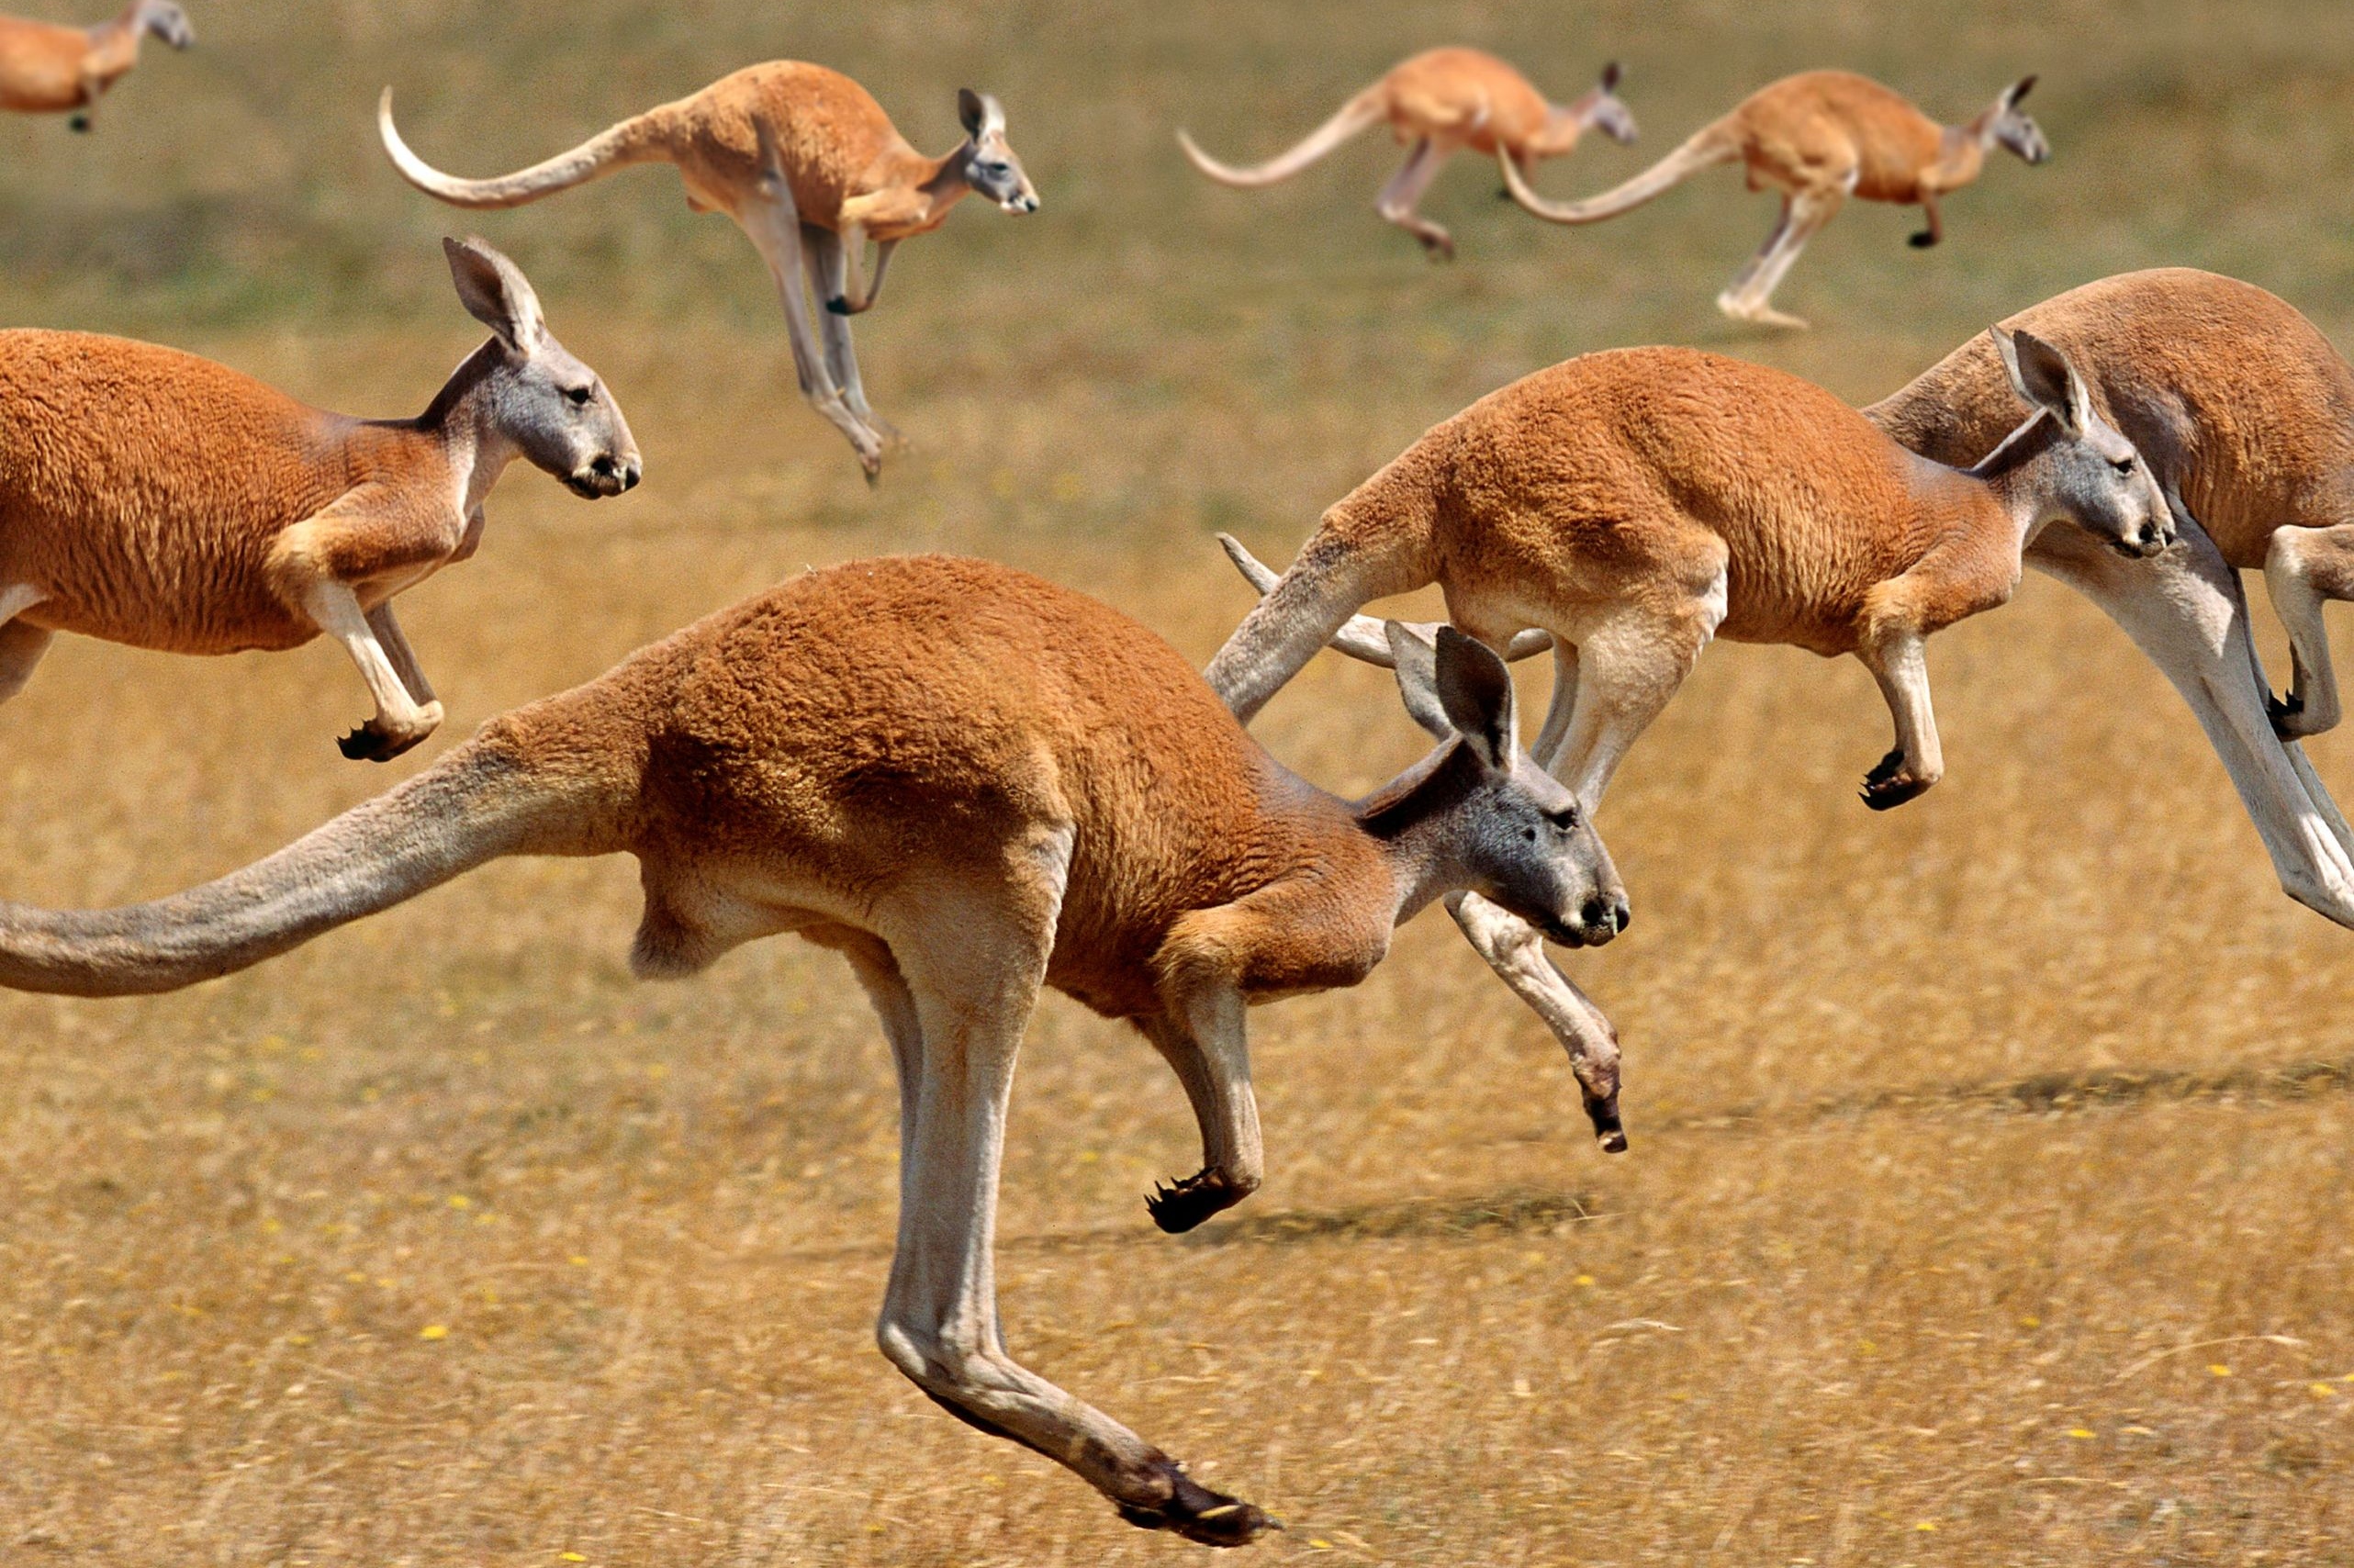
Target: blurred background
[[1988, 1191]]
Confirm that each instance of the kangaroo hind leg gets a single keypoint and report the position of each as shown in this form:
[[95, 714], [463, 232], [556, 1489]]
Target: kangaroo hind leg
[[2305, 569], [772, 223], [829, 257], [974, 955], [1404, 193], [1750, 295]]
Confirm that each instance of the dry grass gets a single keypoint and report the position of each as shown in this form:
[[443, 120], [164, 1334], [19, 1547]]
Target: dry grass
[[1990, 1194]]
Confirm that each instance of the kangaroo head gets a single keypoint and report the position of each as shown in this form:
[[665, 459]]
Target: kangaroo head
[[991, 167], [167, 21], [2014, 130], [555, 409], [2087, 473], [1517, 835], [1602, 109]]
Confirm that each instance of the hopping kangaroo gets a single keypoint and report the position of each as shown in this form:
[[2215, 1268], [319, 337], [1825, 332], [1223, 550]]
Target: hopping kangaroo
[[2244, 414], [810, 168], [1818, 138], [970, 783], [151, 498], [1439, 103], [49, 69], [1633, 504]]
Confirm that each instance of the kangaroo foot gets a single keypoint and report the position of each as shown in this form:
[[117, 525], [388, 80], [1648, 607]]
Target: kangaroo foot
[[1178, 1209], [1758, 313], [1921, 240], [1439, 245], [1199, 1514], [1892, 783], [378, 741]]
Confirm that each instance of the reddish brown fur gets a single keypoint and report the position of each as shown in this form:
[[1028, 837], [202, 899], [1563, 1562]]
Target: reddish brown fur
[[1465, 98], [46, 68], [116, 503], [2238, 401]]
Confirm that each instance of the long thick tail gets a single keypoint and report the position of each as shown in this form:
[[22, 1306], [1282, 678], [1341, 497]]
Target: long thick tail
[[1358, 113], [1704, 150], [478, 803], [1376, 541], [635, 140]]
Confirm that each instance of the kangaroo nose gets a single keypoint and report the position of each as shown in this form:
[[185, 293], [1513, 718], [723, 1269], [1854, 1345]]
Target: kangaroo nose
[[1610, 915]]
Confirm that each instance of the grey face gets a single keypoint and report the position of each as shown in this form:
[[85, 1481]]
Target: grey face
[[2015, 130], [555, 409], [168, 22], [991, 167], [2092, 475], [1526, 840], [1607, 113]]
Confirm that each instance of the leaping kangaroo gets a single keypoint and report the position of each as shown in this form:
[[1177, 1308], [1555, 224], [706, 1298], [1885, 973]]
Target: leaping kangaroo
[[1439, 103], [46, 68], [1633, 504], [2244, 414], [810, 168], [970, 783], [151, 498], [1818, 137]]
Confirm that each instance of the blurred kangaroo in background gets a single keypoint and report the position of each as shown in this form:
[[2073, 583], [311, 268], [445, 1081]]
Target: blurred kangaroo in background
[[1439, 103], [1818, 138], [46, 68], [1635, 504], [152, 497], [972, 783], [811, 168]]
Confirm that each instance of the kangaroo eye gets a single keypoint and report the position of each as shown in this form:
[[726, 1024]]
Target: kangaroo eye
[[578, 396], [1565, 819], [2122, 465]]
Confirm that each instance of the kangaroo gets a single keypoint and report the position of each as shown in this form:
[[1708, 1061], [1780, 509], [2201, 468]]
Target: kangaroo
[[49, 69], [1635, 503], [151, 498], [809, 167], [970, 783], [1818, 137], [2244, 415], [1439, 103]]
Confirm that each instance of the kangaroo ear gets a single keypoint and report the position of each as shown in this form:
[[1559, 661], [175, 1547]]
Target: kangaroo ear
[[1475, 690], [2017, 91], [979, 113], [1610, 77], [2043, 376], [496, 293], [1416, 663]]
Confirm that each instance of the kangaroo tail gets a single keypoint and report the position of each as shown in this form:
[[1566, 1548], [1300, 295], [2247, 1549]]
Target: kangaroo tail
[[1358, 113], [481, 801], [635, 141], [1706, 149], [1378, 540]]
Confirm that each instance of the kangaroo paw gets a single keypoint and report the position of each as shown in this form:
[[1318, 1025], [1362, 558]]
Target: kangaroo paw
[[1921, 240], [1891, 783], [79, 122], [1608, 1130], [1178, 1208], [2287, 713]]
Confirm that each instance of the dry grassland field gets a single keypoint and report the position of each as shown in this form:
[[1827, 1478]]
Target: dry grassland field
[[1991, 1199]]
